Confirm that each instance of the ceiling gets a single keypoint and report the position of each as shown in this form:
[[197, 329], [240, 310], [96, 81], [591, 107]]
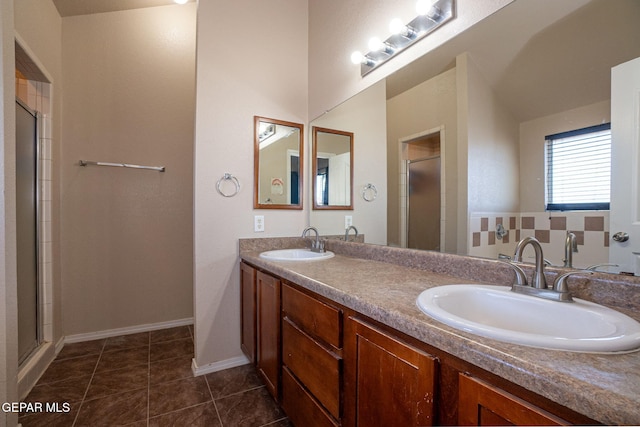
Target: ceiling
[[87, 7], [540, 60]]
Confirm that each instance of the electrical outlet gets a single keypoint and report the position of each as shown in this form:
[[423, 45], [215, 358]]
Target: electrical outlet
[[348, 221], [258, 223]]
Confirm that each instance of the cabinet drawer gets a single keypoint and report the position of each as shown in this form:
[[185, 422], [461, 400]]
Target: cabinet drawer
[[301, 408], [318, 369], [315, 318]]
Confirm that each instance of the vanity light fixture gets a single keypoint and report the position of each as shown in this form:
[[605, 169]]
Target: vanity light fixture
[[396, 27], [431, 15], [377, 45]]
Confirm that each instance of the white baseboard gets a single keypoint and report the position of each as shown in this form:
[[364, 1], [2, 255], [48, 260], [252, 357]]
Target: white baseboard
[[127, 331], [59, 345], [218, 366], [33, 368]]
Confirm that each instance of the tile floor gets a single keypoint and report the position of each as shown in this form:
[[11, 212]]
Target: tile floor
[[145, 379]]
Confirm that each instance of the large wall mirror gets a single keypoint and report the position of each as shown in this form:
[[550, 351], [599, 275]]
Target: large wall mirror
[[278, 164], [495, 91], [332, 168]]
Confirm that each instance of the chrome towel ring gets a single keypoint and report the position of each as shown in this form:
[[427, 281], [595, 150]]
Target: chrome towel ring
[[369, 192], [233, 179]]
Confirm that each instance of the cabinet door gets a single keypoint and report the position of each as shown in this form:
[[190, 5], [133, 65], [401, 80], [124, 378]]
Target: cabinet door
[[481, 404], [248, 310], [301, 407], [268, 323], [394, 383]]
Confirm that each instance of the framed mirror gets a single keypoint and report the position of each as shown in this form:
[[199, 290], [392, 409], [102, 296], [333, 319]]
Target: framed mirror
[[278, 164], [332, 167]]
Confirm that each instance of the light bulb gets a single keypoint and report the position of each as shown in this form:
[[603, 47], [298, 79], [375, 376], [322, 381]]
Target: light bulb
[[357, 57], [181, 1], [396, 26], [375, 44]]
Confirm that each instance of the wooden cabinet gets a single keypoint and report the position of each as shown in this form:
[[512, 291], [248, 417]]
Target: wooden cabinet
[[390, 383], [482, 404], [312, 359], [248, 309], [268, 356], [326, 371]]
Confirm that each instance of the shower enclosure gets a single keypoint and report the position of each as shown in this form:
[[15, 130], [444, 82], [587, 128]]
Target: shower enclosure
[[423, 203], [27, 230]]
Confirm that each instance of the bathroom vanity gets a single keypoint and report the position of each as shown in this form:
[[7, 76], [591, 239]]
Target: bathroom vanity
[[342, 342]]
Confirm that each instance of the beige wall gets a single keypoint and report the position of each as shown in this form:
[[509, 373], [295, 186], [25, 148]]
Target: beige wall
[[8, 292], [489, 141], [425, 107], [493, 154], [127, 234], [338, 27], [240, 75], [364, 115]]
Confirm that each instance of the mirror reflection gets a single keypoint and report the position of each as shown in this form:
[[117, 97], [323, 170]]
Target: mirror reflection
[[278, 160], [332, 169], [494, 93]]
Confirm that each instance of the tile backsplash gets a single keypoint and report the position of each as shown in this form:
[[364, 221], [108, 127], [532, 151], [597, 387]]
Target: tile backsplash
[[590, 227]]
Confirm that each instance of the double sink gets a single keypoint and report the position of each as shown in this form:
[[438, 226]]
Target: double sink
[[495, 312]]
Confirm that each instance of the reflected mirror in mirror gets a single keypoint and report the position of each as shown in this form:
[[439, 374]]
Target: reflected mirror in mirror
[[278, 160], [527, 72], [332, 169]]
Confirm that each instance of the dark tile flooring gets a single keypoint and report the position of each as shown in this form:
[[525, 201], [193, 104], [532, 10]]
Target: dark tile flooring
[[145, 379]]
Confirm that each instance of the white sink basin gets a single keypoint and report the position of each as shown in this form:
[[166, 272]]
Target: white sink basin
[[296, 255], [496, 312]]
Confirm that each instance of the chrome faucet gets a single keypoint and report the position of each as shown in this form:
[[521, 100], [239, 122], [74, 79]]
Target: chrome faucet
[[346, 233], [570, 246], [538, 287], [537, 281], [317, 245]]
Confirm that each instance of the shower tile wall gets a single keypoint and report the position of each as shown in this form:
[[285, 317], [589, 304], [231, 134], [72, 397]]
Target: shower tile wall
[[590, 228], [483, 240]]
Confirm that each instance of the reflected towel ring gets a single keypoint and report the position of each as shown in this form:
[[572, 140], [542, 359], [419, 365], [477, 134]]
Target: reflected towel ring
[[228, 177], [369, 192]]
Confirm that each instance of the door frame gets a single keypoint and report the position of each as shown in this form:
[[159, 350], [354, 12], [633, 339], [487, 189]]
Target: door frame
[[38, 233]]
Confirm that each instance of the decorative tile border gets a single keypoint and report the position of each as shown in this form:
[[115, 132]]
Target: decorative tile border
[[550, 228]]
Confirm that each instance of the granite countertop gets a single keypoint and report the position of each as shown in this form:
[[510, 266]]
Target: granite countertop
[[605, 387]]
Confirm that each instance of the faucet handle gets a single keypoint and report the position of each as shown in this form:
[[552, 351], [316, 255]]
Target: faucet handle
[[560, 284], [595, 267], [521, 276]]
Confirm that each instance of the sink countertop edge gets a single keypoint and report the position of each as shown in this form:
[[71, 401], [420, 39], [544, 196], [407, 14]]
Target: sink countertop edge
[[606, 402]]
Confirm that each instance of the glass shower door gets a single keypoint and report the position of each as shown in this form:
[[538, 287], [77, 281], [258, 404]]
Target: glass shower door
[[423, 203], [26, 230]]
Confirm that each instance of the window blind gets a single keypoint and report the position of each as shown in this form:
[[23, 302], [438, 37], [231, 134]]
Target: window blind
[[578, 167]]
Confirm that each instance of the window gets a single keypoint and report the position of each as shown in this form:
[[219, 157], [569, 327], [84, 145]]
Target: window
[[579, 169]]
